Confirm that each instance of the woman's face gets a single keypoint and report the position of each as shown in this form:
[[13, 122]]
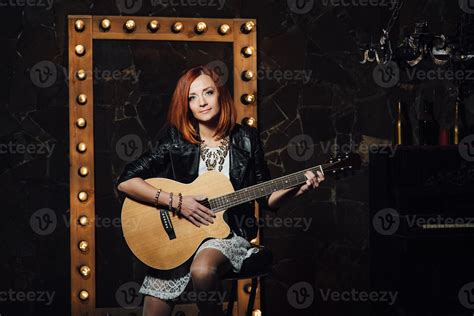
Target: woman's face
[[204, 99]]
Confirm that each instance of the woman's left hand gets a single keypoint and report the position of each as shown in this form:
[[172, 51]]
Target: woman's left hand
[[312, 181]]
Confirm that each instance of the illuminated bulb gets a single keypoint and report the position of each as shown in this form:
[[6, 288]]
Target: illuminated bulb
[[201, 27], [83, 221], [79, 25], [85, 271], [249, 121], [83, 171], [247, 288], [153, 26], [82, 196], [177, 27], [248, 98], [129, 26], [81, 122], [83, 245], [248, 51], [82, 99], [247, 27], [248, 75], [81, 74], [105, 24], [81, 147], [224, 29], [83, 295], [80, 50]]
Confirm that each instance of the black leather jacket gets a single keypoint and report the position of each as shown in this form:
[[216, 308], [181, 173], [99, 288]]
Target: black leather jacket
[[175, 158]]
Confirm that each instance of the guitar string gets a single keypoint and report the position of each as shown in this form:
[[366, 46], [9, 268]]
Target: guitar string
[[222, 203], [227, 202]]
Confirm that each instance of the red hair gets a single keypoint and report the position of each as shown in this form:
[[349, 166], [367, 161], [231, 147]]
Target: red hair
[[180, 116]]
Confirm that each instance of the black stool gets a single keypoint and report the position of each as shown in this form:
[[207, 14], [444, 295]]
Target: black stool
[[254, 267]]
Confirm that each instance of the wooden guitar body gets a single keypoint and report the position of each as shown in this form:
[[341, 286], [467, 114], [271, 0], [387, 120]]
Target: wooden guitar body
[[146, 236]]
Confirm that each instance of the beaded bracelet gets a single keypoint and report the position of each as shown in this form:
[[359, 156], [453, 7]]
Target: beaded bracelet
[[170, 203], [178, 211], [157, 195]]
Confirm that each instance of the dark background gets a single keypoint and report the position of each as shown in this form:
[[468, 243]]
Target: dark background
[[340, 104]]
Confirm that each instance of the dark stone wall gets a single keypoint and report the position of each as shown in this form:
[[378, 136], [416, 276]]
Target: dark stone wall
[[312, 91]]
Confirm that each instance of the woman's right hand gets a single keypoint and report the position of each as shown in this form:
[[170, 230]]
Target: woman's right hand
[[195, 212]]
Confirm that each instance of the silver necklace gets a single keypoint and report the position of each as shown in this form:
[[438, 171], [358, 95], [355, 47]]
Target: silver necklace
[[214, 157]]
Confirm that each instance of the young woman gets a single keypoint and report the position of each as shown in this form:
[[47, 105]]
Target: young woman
[[202, 135]]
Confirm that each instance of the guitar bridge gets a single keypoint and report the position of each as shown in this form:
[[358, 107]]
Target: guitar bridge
[[167, 224]]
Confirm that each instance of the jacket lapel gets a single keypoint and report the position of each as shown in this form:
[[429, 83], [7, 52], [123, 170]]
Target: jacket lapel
[[239, 157], [184, 162]]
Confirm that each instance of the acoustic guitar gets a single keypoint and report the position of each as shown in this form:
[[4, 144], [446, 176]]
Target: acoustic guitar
[[164, 241]]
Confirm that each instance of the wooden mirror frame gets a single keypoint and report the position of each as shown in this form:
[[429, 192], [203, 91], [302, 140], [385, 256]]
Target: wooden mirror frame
[[82, 30]]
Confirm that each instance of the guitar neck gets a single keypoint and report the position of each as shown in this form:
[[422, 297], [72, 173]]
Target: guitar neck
[[263, 189]]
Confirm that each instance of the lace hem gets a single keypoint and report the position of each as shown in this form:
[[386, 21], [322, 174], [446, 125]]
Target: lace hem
[[235, 248]]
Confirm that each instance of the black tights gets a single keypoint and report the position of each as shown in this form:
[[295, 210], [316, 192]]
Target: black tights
[[207, 269]]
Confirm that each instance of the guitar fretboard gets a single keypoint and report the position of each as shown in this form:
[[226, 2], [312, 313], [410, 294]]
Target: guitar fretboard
[[262, 189]]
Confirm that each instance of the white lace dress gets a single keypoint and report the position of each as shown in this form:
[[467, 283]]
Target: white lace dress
[[170, 284]]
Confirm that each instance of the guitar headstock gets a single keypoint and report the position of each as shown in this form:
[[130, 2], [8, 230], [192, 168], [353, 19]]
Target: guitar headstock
[[342, 163]]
